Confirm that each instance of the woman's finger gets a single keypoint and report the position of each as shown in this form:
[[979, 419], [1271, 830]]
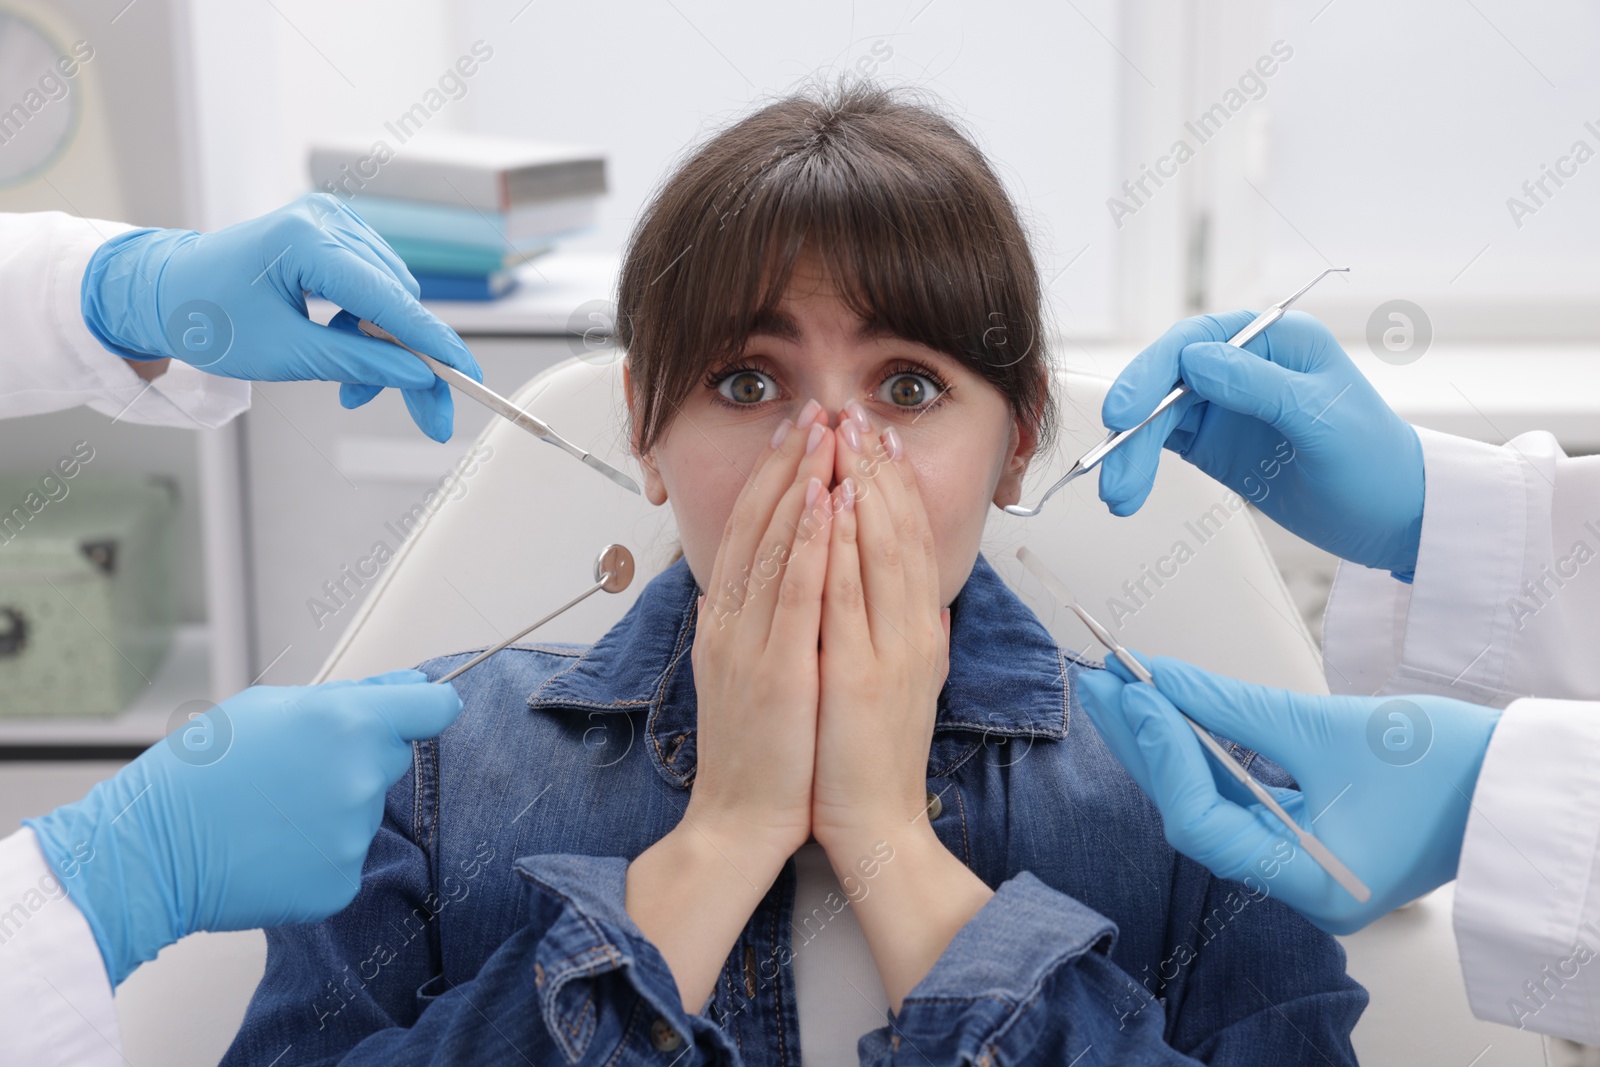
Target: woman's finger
[[916, 532], [752, 511], [776, 552], [878, 545], [797, 608], [844, 606]]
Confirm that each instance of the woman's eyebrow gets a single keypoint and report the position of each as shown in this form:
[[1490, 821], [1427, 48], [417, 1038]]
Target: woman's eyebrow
[[779, 324], [874, 330], [774, 323], [878, 330]]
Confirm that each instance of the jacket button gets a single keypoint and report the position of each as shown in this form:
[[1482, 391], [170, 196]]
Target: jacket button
[[663, 1036], [935, 806]]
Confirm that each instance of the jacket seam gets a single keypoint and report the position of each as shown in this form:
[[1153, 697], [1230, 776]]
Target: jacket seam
[[1080, 659], [1000, 998], [560, 969], [1017, 1008], [560, 674], [576, 1027], [559, 978], [595, 705], [433, 796], [956, 762], [1066, 692], [515, 646], [727, 982], [416, 791], [966, 842], [777, 1001], [603, 944], [633, 1021], [659, 701], [1017, 1003]]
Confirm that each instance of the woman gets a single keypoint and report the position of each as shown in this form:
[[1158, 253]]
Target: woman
[[832, 320]]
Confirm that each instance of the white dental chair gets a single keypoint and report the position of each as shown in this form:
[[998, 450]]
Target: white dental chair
[[525, 528], [524, 536], [524, 531]]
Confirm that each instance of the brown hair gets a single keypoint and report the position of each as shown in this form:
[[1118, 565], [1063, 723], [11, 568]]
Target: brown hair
[[907, 217]]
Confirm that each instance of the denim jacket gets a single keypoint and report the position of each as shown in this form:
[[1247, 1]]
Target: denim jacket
[[490, 927]]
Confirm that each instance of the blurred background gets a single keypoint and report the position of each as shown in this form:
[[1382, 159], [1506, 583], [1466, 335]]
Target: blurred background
[[1170, 156]]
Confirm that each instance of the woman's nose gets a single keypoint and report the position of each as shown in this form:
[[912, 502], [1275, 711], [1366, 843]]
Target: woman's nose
[[813, 409], [835, 409]]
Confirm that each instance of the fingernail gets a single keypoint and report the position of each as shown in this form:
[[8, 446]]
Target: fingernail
[[891, 441], [807, 414], [852, 436], [859, 414], [814, 438], [849, 501], [780, 433], [813, 490]]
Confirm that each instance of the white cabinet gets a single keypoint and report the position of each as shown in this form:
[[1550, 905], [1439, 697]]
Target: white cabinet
[[330, 494]]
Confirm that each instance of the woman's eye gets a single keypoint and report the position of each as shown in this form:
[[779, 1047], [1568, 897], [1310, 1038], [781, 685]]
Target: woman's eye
[[908, 390], [747, 387]]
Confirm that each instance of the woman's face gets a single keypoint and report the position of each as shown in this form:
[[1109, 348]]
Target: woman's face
[[959, 433]]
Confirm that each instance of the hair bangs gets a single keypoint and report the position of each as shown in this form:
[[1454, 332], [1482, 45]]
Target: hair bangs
[[898, 210]]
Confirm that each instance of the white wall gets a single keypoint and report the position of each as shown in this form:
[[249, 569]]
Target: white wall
[[646, 78], [273, 77], [1394, 140]]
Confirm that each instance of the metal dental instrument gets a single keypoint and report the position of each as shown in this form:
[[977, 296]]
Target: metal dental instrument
[[1313, 846], [1091, 459], [503, 407], [613, 572]]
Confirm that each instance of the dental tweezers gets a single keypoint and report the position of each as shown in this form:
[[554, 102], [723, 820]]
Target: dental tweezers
[[1091, 459], [503, 407], [1308, 841]]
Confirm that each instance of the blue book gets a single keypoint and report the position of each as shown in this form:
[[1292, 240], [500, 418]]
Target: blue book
[[536, 223], [444, 257], [447, 167], [461, 287]]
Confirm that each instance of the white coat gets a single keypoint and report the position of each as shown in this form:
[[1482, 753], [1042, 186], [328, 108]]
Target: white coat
[[1505, 611], [55, 999]]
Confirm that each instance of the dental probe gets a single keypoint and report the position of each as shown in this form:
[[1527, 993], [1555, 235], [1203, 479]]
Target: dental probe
[[613, 572], [1313, 846], [503, 407], [1091, 459]]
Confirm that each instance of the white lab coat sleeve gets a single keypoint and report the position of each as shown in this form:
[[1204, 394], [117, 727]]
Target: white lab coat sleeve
[[1527, 911], [1505, 605], [48, 358], [56, 1005], [1506, 597]]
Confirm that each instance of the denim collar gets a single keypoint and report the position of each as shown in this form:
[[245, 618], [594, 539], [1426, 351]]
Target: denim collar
[[1007, 676]]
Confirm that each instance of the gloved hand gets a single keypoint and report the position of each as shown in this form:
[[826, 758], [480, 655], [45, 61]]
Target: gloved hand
[[1388, 781], [256, 813], [1288, 423], [232, 303]]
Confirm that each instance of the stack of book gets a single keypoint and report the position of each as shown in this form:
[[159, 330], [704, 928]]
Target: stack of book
[[464, 210]]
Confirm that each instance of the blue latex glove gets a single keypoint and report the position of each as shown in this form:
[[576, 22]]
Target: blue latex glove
[[1288, 423], [232, 303], [1388, 781], [258, 812]]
